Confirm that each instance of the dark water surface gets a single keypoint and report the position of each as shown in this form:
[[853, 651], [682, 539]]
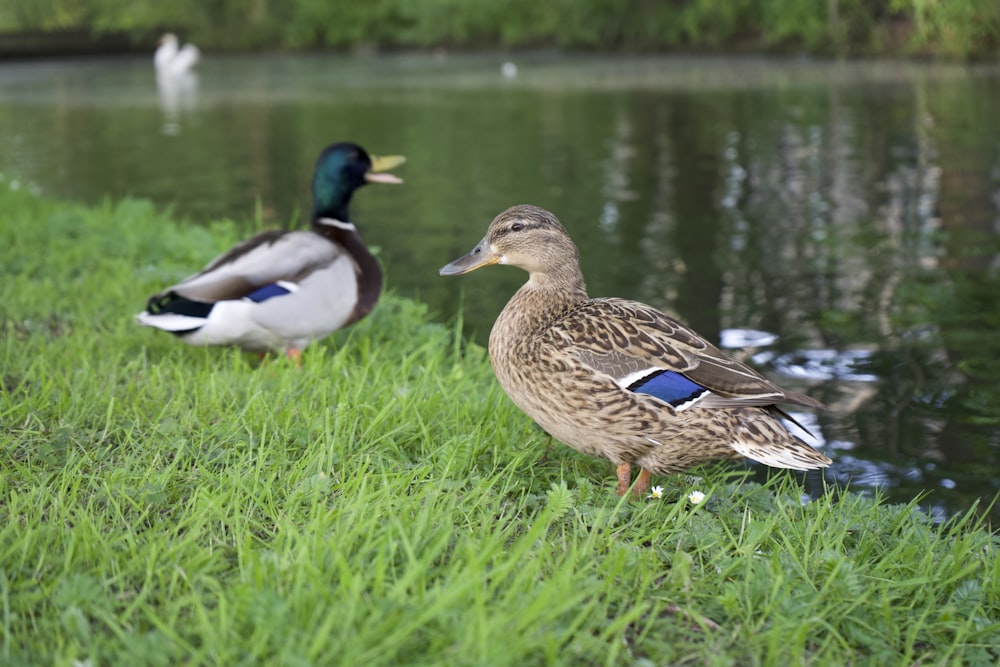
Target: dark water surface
[[850, 209]]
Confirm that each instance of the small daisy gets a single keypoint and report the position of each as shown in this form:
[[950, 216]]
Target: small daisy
[[696, 497], [656, 492]]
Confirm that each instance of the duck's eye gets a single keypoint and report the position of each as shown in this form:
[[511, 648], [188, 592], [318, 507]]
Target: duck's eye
[[516, 227]]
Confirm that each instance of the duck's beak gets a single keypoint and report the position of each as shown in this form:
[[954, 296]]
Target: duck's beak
[[478, 257], [384, 163]]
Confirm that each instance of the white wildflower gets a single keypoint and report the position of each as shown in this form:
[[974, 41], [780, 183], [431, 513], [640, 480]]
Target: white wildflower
[[656, 492], [696, 497]]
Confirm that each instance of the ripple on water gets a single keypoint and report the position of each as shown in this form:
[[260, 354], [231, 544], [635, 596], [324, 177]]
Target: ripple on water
[[826, 365], [739, 338]]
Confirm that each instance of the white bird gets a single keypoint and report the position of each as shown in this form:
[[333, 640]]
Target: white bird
[[172, 59]]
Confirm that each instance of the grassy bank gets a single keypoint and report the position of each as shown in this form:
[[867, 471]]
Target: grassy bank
[[386, 505]]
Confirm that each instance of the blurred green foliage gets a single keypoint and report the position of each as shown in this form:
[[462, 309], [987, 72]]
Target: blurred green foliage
[[956, 28]]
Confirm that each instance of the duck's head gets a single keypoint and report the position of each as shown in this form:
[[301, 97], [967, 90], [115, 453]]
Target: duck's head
[[343, 168], [524, 236]]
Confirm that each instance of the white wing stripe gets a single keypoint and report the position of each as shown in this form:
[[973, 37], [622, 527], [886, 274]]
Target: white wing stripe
[[633, 377]]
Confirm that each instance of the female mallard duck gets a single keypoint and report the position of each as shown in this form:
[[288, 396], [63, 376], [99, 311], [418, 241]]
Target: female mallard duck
[[281, 290], [617, 378]]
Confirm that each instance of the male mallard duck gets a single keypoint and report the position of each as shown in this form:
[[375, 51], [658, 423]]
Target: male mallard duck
[[617, 378], [171, 58], [281, 290]]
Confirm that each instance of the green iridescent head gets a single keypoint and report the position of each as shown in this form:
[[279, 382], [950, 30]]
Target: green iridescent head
[[341, 169]]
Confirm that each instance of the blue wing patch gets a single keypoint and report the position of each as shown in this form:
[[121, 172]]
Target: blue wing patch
[[669, 386], [267, 292]]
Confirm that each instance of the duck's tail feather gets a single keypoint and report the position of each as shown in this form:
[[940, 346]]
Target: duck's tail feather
[[794, 455], [174, 313], [782, 447]]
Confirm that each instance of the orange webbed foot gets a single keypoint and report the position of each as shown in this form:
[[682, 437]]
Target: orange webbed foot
[[624, 472], [641, 487]]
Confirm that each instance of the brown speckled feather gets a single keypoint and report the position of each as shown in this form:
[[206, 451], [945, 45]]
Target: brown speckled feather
[[616, 336]]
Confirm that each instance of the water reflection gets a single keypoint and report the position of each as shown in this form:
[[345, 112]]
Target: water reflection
[[178, 92], [840, 219]]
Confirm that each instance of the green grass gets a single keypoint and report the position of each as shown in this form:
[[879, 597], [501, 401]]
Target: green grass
[[386, 505]]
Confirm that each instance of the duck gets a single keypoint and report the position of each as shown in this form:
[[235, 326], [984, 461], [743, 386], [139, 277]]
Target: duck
[[284, 289], [619, 379], [171, 58]]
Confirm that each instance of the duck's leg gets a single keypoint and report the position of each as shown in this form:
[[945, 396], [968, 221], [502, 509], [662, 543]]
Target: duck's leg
[[295, 355], [624, 477], [641, 483]]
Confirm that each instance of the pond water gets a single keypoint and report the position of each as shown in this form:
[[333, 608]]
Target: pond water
[[843, 219]]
